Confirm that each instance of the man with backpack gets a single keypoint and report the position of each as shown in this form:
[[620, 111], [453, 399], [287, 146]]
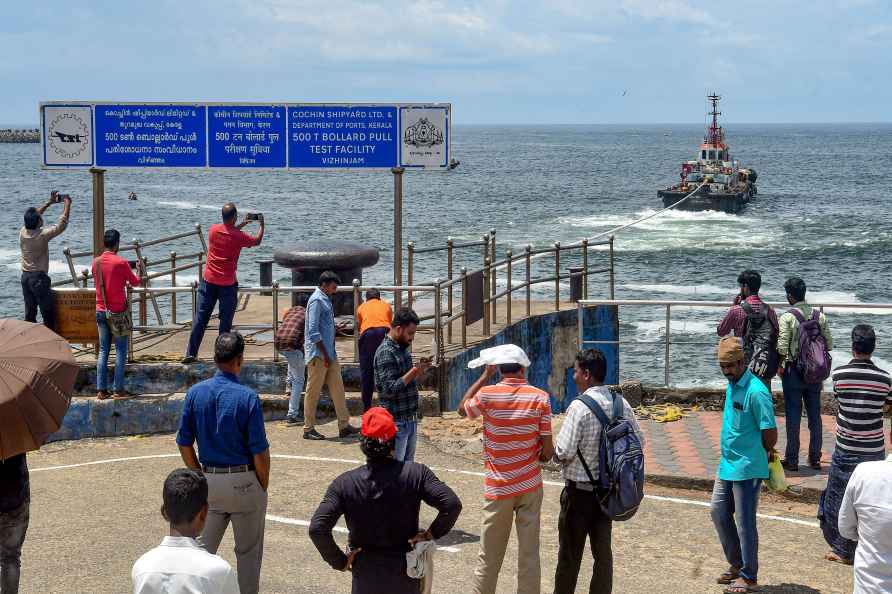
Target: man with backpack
[[754, 321], [578, 449], [749, 434], [803, 346]]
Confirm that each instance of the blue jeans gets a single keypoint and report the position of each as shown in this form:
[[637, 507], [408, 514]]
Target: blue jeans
[[105, 340], [841, 469], [208, 296], [734, 506], [406, 437], [796, 392], [295, 381]]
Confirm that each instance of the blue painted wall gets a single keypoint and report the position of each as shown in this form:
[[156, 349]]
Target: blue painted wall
[[535, 335]]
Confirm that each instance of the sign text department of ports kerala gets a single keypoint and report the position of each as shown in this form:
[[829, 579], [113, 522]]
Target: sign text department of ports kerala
[[244, 135]]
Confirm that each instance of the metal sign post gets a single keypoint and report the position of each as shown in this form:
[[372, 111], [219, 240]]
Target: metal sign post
[[397, 233], [98, 210]]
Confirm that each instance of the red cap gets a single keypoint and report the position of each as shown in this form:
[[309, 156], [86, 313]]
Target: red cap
[[377, 423]]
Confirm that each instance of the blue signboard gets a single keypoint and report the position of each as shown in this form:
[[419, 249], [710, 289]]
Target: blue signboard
[[151, 135], [246, 136], [342, 136]]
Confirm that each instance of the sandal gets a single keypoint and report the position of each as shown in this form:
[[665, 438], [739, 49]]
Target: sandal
[[727, 577], [833, 557], [741, 586], [102, 395]]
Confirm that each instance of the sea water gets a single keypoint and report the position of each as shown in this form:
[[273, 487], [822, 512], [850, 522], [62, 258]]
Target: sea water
[[821, 213]]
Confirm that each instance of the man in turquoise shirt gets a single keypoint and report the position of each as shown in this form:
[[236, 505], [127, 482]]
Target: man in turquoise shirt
[[749, 434]]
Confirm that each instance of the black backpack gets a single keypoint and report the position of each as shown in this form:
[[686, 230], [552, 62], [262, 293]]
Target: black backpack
[[759, 342]]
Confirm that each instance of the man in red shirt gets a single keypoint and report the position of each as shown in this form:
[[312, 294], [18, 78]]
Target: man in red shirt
[[219, 284], [115, 275]]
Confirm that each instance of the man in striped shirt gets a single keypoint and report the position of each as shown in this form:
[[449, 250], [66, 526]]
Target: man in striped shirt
[[516, 437], [862, 390]]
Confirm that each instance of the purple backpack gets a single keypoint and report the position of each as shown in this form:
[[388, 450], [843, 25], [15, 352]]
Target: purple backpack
[[813, 359]]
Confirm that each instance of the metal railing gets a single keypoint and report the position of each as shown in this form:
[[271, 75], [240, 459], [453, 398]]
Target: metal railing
[[495, 270], [671, 306], [150, 270]]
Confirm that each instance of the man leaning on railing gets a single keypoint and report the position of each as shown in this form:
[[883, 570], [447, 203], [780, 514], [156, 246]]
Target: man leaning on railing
[[219, 284]]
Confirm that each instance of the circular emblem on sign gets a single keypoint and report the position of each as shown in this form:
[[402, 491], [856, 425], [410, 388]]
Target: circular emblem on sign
[[423, 133], [68, 135]]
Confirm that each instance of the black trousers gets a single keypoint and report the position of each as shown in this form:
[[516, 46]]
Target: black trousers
[[37, 293], [382, 573], [581, 517], [369, 341]]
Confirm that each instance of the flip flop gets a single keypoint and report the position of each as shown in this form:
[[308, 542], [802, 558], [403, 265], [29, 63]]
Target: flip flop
[[743, 588], [102, 395], [727, 577], [834, 558]]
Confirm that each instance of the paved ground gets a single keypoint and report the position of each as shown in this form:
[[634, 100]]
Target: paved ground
[[95, 510], [690, 448]]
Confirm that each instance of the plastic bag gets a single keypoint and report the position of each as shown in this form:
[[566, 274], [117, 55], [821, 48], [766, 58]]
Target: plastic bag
[[777, 481]]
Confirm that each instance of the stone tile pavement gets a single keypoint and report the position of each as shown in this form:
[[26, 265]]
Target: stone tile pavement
[[689, 448]]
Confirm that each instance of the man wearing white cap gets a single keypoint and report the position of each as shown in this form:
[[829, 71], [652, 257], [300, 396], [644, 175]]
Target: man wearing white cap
[[516, 437]]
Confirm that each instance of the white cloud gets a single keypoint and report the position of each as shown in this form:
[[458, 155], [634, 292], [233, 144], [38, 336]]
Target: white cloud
[[670, 10]]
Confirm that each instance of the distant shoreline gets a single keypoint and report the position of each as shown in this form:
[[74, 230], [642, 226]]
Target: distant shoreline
[[19, 135]]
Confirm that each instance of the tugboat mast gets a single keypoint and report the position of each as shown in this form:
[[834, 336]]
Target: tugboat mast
[[714, 134]]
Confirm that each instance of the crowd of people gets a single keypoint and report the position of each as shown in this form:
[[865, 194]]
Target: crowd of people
[[223, 443]]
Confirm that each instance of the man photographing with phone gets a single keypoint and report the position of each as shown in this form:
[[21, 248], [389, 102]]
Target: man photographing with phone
[[219, 284], [396, 380], [34, 240]]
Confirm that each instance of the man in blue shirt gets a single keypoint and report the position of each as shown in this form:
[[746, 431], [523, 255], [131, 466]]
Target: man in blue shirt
[[323, 368], [226, 420], [749, 434]]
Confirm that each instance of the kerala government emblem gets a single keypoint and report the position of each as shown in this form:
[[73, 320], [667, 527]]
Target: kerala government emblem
[[423, 133]]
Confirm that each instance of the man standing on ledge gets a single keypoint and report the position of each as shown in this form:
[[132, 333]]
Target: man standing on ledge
[[323, 368], [373, 318], [34, 240], [226, 420], [396, 378], [749, 434], [218, 283]]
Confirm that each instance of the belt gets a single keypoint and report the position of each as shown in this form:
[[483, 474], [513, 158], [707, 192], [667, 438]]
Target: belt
[[227, 469], [580, 486]]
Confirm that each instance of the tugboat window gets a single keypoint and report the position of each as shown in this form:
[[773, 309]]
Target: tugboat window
[[712, 155], [703, 155]]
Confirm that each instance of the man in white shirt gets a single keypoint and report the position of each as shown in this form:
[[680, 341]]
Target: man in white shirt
[[866, 516], [180, 565], [581, 514]]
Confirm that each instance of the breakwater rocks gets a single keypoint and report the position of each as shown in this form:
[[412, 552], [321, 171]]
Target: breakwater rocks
[[18, 135]]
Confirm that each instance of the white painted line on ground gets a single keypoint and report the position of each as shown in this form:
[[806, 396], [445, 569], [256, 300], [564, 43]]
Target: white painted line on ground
[[341, 529], [450, 470]]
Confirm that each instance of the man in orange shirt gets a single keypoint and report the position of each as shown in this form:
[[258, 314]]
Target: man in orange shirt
[[373, 321], [516, 437]]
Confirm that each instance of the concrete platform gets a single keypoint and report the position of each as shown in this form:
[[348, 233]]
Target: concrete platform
[[95, 504]]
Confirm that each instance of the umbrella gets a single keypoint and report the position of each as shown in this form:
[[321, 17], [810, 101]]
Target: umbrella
[[37, 374]]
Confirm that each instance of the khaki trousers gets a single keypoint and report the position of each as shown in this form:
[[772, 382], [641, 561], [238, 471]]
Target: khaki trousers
[[237, 498], [319, 375], [525, 511]]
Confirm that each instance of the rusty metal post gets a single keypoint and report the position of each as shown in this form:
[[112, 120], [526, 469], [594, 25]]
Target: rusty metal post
[[464, 307], [449, 262], [529, 259], [612, 282], [98, 210], [510, 291], [173, 283], [410, 277], [486, 310], [130, 334], [493, 272], [437, 350], [68, 259], [355, 323], [585, 268], [557, 275], [143, 282], [204, 244], [275, 294]]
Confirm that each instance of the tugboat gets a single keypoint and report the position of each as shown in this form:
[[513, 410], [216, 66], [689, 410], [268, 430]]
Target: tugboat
[[725, 185]]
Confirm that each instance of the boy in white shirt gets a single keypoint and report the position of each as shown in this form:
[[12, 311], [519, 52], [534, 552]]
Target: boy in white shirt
[[180, 565]]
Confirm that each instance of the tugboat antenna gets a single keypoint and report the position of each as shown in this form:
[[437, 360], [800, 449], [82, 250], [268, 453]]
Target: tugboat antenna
[[714, 98]]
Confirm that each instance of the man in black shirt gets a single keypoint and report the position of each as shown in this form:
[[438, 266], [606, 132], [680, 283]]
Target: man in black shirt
[[15, 501], [381, 502]]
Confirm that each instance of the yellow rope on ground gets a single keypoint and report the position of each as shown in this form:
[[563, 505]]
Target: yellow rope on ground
[[663, 413]]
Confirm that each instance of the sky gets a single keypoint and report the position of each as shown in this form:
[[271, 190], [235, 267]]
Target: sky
[[496, 61]]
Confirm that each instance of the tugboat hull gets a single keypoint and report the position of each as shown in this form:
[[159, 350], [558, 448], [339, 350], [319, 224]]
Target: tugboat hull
[[731, 203]]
